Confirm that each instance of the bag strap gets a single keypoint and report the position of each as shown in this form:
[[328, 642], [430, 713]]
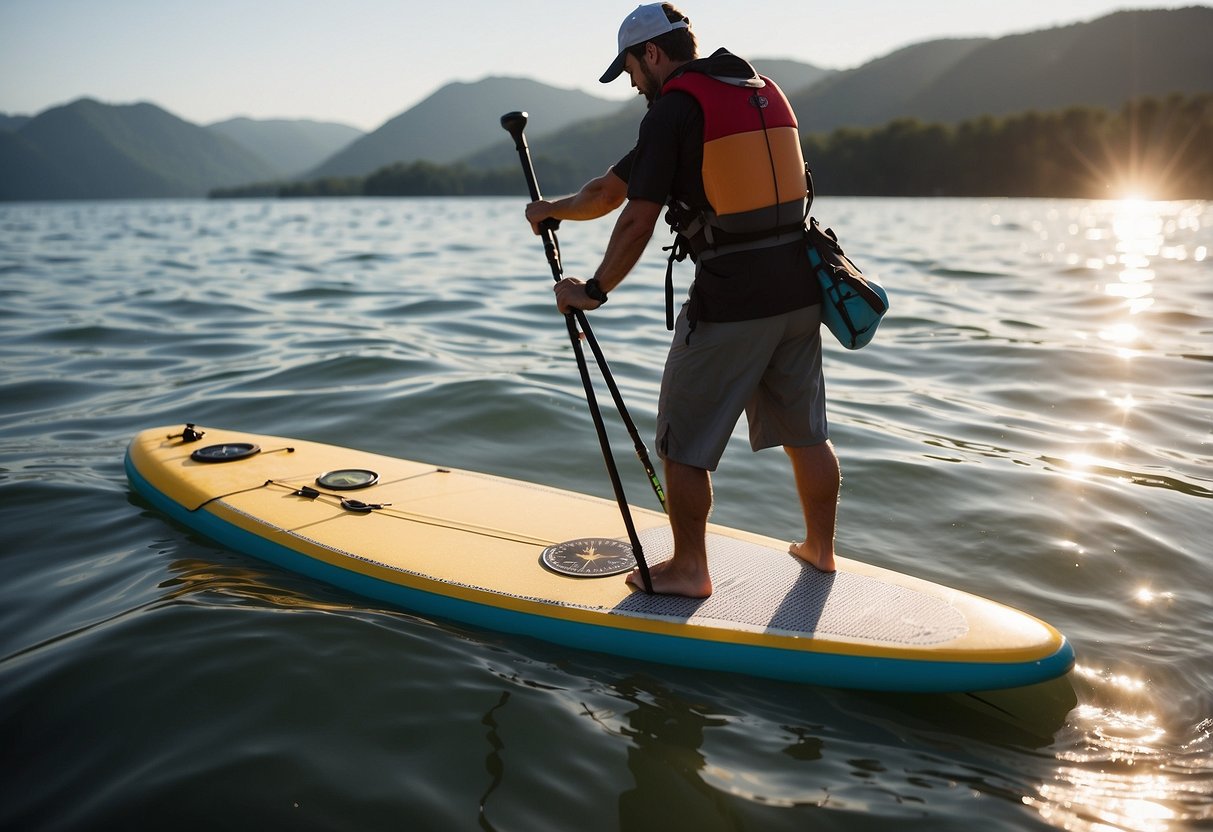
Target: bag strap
[[841, 268]]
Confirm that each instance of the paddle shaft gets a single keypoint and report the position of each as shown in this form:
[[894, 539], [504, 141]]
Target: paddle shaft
[[552, 249], [515, 124]]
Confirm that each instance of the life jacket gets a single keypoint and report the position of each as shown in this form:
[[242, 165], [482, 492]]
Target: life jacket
[[753, 167], [754, 175]]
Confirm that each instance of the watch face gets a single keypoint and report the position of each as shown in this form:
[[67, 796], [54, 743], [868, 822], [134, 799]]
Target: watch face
[[225, 453], [347, 479], [590, 557]]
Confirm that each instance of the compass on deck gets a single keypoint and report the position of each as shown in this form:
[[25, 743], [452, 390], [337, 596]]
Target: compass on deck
[[589, 557]]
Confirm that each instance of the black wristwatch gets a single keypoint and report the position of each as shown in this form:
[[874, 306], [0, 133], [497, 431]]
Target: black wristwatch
[[594, 291]]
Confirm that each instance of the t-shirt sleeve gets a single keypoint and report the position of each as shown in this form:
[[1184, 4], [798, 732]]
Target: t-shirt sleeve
[[623, 168], [655, 157]]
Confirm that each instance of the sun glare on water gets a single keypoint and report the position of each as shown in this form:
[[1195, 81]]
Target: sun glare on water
[[1138, 233]]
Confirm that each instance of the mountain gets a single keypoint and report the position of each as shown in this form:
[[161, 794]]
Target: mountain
[[1102, 63], [459, 119], [1099, 64], [590, 146], [87, 149], [10, 123], [291, 147], [791, 76], [880, 89], [90, 150], [598, 142]]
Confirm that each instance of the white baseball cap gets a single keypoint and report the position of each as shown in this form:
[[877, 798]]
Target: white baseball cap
[[642, 25]]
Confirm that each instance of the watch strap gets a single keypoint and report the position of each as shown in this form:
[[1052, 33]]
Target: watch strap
[[594, 291]]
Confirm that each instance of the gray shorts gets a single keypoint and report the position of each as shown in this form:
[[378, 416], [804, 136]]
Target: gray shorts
[[770, 368]]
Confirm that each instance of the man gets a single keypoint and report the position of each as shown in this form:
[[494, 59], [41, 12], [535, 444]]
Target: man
[[719, 145]]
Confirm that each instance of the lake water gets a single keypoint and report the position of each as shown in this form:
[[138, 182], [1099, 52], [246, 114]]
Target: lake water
[[1032, 424]]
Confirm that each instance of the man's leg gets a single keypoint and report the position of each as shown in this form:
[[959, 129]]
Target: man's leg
[[817, 481], [689, 499]]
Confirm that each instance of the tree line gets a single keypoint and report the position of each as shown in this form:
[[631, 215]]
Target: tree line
[[1157, 147]]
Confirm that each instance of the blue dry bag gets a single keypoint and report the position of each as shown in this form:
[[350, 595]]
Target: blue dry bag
[[851, 304]]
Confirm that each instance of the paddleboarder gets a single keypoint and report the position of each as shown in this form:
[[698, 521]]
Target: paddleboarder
[[719, 147]]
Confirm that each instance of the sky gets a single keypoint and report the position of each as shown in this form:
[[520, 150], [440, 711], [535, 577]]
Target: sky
[[362, 62]]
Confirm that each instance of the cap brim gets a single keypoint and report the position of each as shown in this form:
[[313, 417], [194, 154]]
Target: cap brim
[[614, 69]]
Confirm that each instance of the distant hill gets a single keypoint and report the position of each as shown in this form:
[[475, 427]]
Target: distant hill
[[589, 147], [459, 119], [87, 149], [90, 150], [879, 90], [591, 144], [791, 76], [10, 123], [1101, 63], [290, 147]]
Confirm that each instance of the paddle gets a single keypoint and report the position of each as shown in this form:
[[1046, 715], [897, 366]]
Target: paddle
[[515, 123]]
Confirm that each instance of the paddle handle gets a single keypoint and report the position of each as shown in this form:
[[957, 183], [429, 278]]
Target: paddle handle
[[514, 123]]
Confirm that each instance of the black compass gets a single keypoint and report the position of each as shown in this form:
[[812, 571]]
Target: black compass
[[227, 452], [589, 557], [347, 479]]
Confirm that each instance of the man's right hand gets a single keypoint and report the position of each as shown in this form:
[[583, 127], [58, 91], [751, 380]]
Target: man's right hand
[[570, 295]]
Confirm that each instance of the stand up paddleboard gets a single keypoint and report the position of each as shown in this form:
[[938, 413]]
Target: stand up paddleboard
[[523, 558]]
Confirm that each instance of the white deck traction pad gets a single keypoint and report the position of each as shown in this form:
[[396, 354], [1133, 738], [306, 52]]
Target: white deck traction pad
[[761, 589]]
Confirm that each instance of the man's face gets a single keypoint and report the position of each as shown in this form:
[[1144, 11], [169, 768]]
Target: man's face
[[642, 76]]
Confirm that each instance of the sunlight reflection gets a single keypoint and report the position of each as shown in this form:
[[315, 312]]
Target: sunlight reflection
[[1127, 290], [1114, 776], [1096, 801], [1079, 462], [1116, 680], [1138, 227], [1120, 333], [1139, 230], [1145, 595]]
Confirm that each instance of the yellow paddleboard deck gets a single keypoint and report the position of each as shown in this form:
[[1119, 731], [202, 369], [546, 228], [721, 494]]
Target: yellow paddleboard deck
[[523, 558]]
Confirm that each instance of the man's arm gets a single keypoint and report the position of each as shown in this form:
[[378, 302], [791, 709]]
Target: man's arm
[[597, 198], [632, 232]]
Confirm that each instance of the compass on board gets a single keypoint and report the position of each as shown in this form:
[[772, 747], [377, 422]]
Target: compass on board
[[228, 452], [347, 479], [589, 557]]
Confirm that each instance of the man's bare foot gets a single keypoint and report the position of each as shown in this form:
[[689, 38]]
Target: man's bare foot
[[670, 578], [820, 562]]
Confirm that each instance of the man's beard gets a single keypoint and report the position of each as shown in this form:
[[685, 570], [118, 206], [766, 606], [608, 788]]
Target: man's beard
[[653, 91]]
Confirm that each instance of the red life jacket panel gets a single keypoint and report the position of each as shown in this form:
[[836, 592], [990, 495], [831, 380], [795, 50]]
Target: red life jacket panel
[[753, 167]]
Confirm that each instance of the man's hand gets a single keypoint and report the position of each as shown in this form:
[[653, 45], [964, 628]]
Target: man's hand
[[597, 198], [536, 213], [570, 295]]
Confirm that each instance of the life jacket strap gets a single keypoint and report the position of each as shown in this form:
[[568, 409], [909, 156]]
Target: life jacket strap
[[678, 250], [732, 243]]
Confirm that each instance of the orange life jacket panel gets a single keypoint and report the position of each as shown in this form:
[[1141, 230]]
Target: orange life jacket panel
[[753, 167]]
